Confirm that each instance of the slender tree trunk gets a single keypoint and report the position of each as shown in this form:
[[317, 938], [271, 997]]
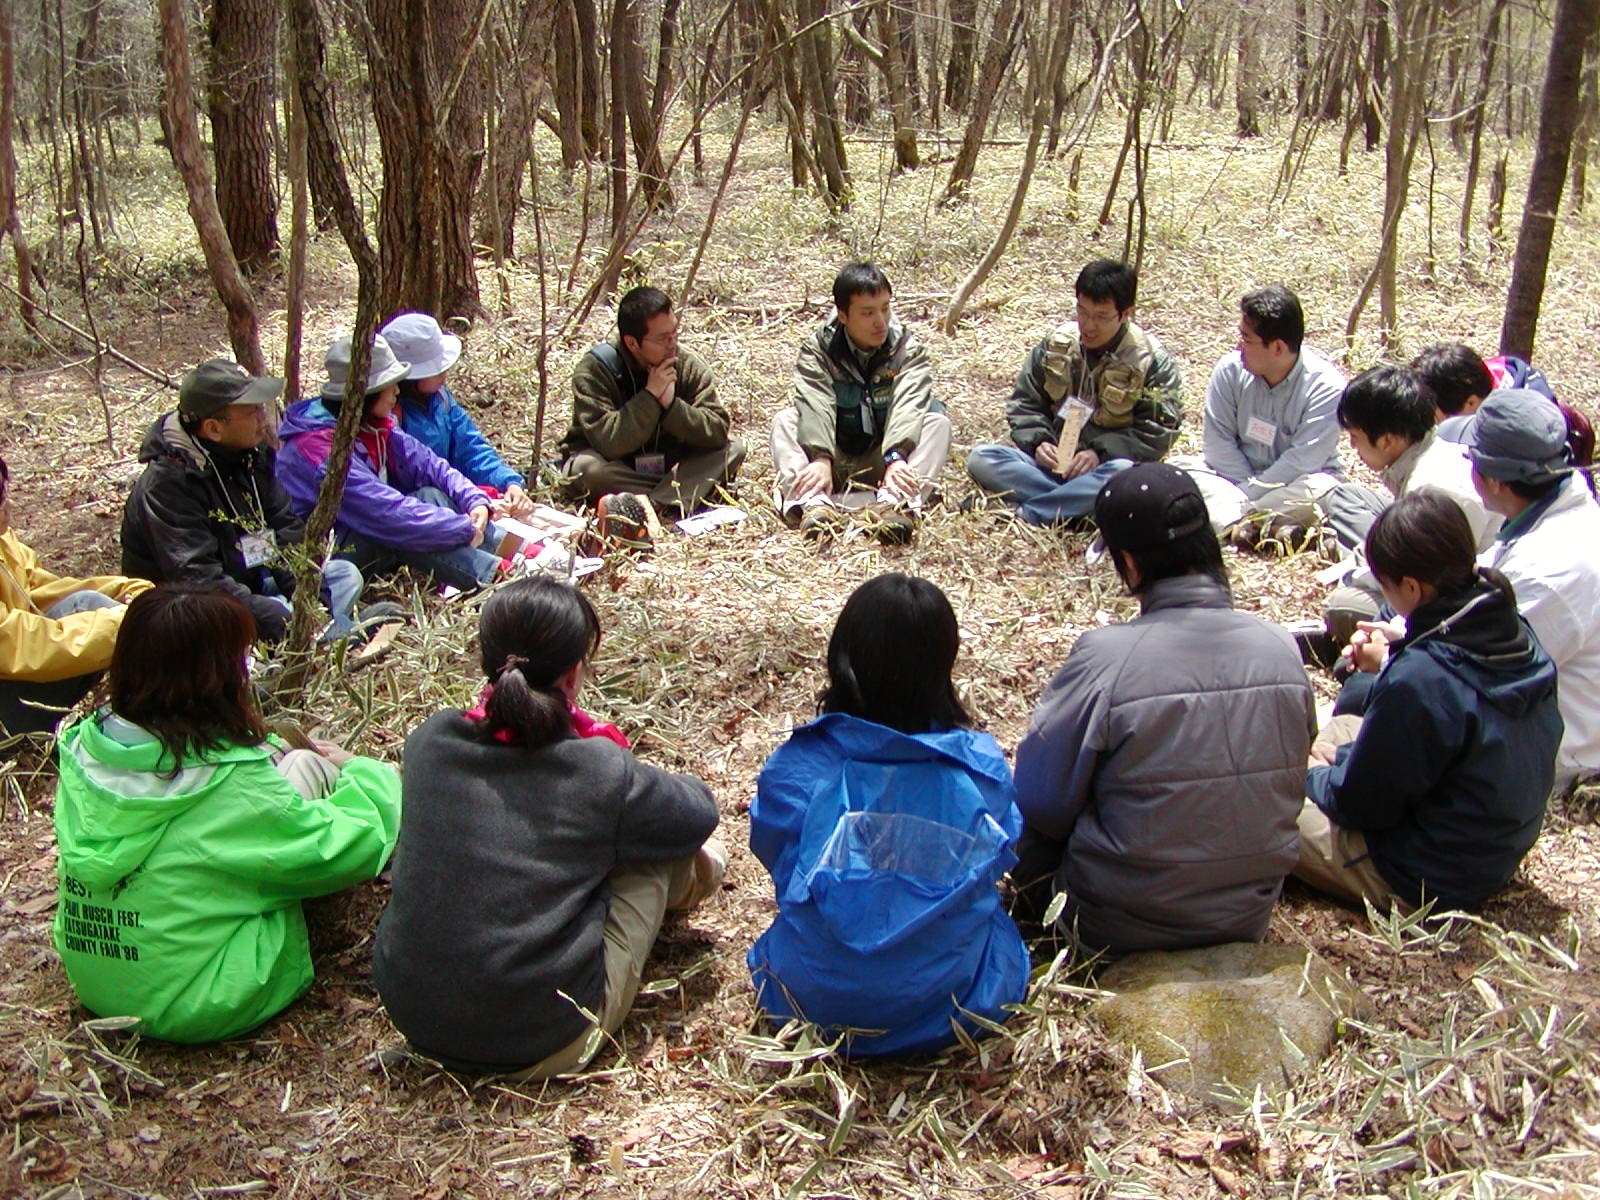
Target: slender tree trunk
[[906, 157], [298, 172], [997, 53], [1558, 110], [1249, 83], [324, 154], [816, 58], [570, 64], [963, 40], [183, 142], [513, 140], [10, 222], [240, 101], [627, 64], [1588, 119], [1480, 107], [1045, 65]]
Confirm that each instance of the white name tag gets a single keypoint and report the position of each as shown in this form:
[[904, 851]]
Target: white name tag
[[650, 464], [1264, 432], [259, 547]]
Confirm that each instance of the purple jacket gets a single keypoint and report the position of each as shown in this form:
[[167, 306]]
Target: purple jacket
[[380, 508]]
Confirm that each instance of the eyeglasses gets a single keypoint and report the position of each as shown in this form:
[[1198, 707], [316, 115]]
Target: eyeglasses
[[1097, 319], [664, 338]]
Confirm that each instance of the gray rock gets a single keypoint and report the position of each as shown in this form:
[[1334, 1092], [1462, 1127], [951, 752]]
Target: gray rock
[[1241, 1014]]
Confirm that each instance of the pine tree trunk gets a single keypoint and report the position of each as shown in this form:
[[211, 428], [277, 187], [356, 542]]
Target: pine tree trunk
[[1558, 114], [427, 103], [181, 126], [243, 33]]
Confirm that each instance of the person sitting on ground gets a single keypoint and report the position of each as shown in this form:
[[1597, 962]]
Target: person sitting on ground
[[1521, 467], [1164, 766], [573, 848], [886, 824], [1438, 791], [1271, 435], [188, 835], [56, 632], [1096, 396], [1461, 381], [646, 420], [402, 503], [429, 411], [864, 433], [1387, 412], [208, 507]]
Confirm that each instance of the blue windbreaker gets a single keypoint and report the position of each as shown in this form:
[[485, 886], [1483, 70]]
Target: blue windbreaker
[[884, 850], [443, 426]]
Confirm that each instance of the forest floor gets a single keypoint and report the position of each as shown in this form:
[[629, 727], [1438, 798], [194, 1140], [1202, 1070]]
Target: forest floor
[[1478, 1075]]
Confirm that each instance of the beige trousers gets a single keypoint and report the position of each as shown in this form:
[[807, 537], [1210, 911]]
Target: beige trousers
[[1333, 859], [856, 480], [1226, 501], [641, 894]]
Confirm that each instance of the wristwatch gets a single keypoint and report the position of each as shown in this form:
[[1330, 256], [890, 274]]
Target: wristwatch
[[893, 456]]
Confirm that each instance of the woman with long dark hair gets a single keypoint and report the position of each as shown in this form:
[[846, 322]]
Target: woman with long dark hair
[[886, 824], [188, 835], [538, 860]]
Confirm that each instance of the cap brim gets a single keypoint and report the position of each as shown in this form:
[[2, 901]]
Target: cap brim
[[263, 389]]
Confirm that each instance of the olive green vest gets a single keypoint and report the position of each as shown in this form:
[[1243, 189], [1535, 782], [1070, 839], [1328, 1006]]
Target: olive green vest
[[1112, 387]]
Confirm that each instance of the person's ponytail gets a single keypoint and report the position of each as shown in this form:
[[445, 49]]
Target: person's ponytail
[[533, 716], [533, 632]]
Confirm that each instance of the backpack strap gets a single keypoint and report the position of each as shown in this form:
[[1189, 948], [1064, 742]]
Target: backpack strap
[[609, 358]]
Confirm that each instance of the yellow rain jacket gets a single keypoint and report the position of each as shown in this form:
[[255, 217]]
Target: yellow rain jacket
[[37, 649]]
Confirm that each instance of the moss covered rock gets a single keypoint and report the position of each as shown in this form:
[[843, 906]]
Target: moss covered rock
[[1242, 1014]]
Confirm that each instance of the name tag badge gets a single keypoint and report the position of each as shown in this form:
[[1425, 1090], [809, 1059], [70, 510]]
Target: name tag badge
[[1065, 407], [1264, 432], [650, 464], [259, 547]]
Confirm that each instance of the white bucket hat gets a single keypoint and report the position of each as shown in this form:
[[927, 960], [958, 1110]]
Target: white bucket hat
[[384, 369], [417, 338]]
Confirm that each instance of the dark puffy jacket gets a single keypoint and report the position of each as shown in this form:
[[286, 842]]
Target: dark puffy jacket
[[1163, 771], [186, 514], [1456, 756]]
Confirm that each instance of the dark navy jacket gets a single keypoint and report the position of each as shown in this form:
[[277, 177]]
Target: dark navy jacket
[[1456, 756]]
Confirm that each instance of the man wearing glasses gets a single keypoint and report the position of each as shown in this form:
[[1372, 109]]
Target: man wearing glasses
[[1271, 424], [1096, 396], [645, 416]]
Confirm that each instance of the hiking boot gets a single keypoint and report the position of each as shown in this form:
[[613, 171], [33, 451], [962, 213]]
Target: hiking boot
[[889, 523], [620, 520], [372, 617], [820, 522]]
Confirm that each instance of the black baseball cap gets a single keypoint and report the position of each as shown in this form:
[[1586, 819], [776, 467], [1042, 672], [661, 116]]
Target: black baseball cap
[[217, 383], [1149, 505]]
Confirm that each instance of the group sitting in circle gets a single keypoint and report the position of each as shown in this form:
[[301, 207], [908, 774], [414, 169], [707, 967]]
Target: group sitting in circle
[[1172, 775]]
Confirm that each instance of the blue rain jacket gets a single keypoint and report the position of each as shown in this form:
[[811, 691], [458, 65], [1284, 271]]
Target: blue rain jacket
[[441, 424], [884, 850]]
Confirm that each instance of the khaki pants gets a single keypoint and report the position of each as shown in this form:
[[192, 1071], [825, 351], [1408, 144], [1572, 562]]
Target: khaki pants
[[1226, 501], [684, 488], [856, 480], [1333, 859], [641, 894]]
